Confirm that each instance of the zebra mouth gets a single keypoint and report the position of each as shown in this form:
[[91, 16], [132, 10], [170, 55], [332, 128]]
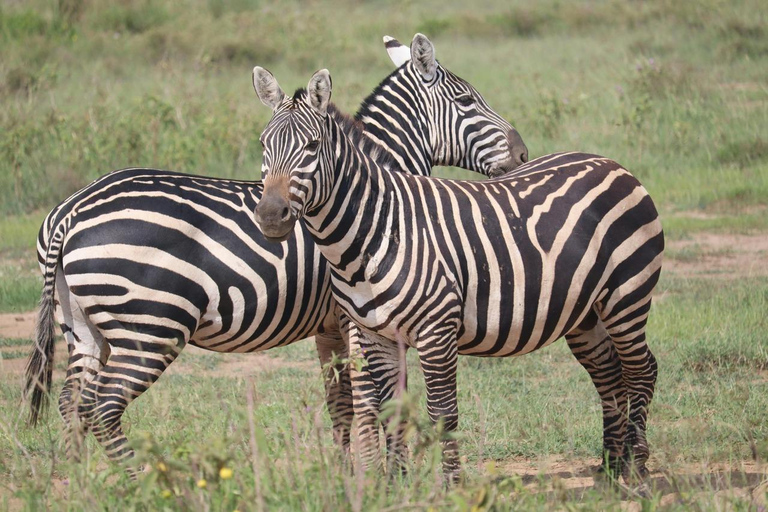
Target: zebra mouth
[[504, 167], [278, 239]]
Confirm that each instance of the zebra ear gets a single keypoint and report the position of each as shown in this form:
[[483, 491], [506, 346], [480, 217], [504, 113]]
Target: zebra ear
[[398, 52], [423, 56], [319, 91], [267, 88]]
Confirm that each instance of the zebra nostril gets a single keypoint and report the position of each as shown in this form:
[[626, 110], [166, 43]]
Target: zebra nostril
[[523, 157], [286, 213]]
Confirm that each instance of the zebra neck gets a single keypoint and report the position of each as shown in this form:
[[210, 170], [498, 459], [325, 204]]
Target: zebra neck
[[394, 117], [361, 197]]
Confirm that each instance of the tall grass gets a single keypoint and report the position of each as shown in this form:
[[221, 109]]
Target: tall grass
[[271, 430], [674, 91]]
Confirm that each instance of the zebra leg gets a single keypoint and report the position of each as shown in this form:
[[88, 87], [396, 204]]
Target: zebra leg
[[438, 355], [394, 388], [593, 348], [338, 385], [128, 373], [626, 327], [87, 354], [380, 380]]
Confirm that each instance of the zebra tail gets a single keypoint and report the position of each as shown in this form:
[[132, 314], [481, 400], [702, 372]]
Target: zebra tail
[[39, 371]]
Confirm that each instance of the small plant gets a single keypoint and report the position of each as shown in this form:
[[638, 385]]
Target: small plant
[[552, 111]]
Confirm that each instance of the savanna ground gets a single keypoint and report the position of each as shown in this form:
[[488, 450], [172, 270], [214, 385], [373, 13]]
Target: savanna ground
[[676, 91]]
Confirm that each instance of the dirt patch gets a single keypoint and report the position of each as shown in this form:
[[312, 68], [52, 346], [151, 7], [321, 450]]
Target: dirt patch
[[718, 255], [14, 368], [230, 365], [17, 325], [745, 480]]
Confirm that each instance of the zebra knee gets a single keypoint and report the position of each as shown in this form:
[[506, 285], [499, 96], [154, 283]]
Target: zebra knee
[[66, 402], [447, 416]]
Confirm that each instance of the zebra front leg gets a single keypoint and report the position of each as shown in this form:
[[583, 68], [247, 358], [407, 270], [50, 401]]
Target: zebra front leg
[[338, 385], [438, 355], [593, 348], [129, 372]]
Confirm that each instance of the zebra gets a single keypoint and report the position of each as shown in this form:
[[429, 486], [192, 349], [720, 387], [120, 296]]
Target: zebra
[[567, 245], [142, 261]]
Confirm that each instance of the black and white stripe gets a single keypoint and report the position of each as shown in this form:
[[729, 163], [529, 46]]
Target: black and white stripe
[[568, 245], [143, 261]]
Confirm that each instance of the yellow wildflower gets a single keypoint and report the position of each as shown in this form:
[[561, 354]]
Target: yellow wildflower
[[202, 483], [167, 493], [162, 467], [225, 473]]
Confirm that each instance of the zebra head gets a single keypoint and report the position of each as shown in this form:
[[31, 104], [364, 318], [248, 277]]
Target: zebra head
[[463, 130], [293, 153]]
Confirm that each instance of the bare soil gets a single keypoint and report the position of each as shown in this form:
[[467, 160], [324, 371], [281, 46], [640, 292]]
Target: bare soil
[[572, 478], [17, 325], [718, 255]]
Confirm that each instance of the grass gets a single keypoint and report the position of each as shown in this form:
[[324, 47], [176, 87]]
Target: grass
[[19, 288], [103, 86], [711, 407], [674, 91], [15, 354], [13, 342]]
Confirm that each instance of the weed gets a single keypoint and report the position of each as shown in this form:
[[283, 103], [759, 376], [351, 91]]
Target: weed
[[14, 354], [133, 16], [19, 291], [744, 153], [13, 342]]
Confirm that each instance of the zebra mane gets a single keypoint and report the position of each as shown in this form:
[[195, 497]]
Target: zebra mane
[[354, 129], [369, 100]]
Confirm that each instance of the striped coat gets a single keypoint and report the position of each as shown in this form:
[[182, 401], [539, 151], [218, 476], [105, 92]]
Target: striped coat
[[142, 261], [567, 245]]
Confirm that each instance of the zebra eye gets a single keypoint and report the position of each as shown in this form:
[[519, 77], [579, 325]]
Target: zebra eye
[[312, 145], [465, 100]]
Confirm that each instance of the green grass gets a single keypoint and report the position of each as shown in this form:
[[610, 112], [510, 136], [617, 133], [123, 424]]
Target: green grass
[[19, 288], [711, 406], [675, 91], [15, 354], [13, 342]]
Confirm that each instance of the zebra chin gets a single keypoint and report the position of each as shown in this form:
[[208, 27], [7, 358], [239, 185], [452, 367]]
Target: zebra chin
[[278, 239], [279, 232], [503, 168], [275, 229], [274, 216]]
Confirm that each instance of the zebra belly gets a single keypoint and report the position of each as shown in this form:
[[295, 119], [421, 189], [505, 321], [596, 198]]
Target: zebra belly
[[172, 283]]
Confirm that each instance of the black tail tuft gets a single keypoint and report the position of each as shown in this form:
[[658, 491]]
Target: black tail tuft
[[39, 370]]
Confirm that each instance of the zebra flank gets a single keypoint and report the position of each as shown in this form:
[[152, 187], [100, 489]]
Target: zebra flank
[[568, 244], [142, 262]]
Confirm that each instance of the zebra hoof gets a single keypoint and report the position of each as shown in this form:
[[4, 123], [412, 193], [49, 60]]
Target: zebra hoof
[[611, 468]]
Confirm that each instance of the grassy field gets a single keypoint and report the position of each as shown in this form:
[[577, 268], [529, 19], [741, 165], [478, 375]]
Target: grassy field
[[675, 91]]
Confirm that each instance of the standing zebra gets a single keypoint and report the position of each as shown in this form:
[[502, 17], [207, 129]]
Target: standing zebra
[[567, 245], [141, 262]]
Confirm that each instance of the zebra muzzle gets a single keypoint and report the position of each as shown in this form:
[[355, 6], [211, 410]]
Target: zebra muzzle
[[274, 217]]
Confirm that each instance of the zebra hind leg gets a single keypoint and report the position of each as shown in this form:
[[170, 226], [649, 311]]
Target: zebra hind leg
[[438, 354], [594, 350], [83, 367], [380, 380], [129, 372], [87, 354], [626, 327], [338, 385]]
